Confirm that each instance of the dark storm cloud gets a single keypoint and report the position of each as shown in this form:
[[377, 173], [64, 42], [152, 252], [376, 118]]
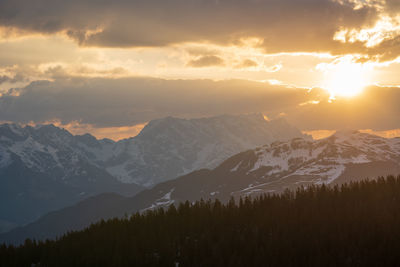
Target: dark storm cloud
[[281, 25], [121, 102]]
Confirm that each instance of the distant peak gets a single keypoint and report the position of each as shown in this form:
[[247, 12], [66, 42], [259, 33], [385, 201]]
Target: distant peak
[[250, 116], [342, 135], [346, 132], [86, 135], [13, 127], [259, 117], [255, 116], [280, 120], [45, 126], [166, 119]]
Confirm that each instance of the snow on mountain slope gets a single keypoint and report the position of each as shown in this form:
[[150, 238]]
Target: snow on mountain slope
[[318, 162], [339, 149], [165, 149], [4, 158], [44, 168], [170, 147], [272, 168]]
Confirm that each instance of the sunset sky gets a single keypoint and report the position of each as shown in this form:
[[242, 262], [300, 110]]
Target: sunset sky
[[108, 67]]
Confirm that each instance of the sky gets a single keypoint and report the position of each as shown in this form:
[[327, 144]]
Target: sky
[[108, 67]]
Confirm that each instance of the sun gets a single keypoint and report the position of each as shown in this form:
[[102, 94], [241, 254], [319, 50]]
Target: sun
[[346, 79]]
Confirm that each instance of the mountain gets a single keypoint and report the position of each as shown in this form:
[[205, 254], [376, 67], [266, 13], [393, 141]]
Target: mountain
[[275, 167], [45, 168], [170, 147], [272, 168]]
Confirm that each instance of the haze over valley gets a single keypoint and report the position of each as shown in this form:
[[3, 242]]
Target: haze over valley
[[199, 133]]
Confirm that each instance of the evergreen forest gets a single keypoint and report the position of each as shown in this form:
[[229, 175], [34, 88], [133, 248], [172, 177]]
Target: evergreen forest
[[355, 224]]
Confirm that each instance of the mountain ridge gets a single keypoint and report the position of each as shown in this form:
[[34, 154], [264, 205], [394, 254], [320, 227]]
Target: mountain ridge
[[271, 168], [44, 168]]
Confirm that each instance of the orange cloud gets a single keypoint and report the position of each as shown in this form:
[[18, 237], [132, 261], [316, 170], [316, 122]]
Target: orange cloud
[[114, 133], [387, 134], [319, 134], [280, 26]]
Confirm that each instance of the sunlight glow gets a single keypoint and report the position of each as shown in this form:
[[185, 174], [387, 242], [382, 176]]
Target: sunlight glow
[[345, 78]]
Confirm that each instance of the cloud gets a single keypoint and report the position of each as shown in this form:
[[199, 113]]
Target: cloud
[[5, 78], [279, 25], [247, 63], [125, 102], [206, 61], [8, 79], [201, 51], [376, 108], [392, 7], [104, 102], [114, 133]]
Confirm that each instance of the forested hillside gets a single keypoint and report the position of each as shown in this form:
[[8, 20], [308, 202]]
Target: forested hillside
[[355, 224]]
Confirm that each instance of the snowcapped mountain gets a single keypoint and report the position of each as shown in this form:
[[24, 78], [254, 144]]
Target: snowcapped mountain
[[170, 147], [343, 156], [164, 149], [45, 168], [272, 168]]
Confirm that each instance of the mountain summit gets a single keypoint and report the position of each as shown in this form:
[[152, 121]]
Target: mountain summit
[[45, 168], [272, 168], [275, 167], [170, 147]]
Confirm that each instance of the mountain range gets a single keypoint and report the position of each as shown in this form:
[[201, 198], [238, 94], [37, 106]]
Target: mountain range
[[345, 156], [45, 168]]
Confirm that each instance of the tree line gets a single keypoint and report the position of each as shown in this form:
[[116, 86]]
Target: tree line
[[355, 224]]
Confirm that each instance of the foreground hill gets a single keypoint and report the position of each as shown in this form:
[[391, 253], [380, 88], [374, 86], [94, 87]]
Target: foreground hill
[[46, 168], [343, 157], [352, 225]]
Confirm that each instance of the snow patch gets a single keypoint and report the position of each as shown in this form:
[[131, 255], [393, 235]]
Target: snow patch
[[163, 201], [236, 167], [5, 158], [120, 172], [331, 174]]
